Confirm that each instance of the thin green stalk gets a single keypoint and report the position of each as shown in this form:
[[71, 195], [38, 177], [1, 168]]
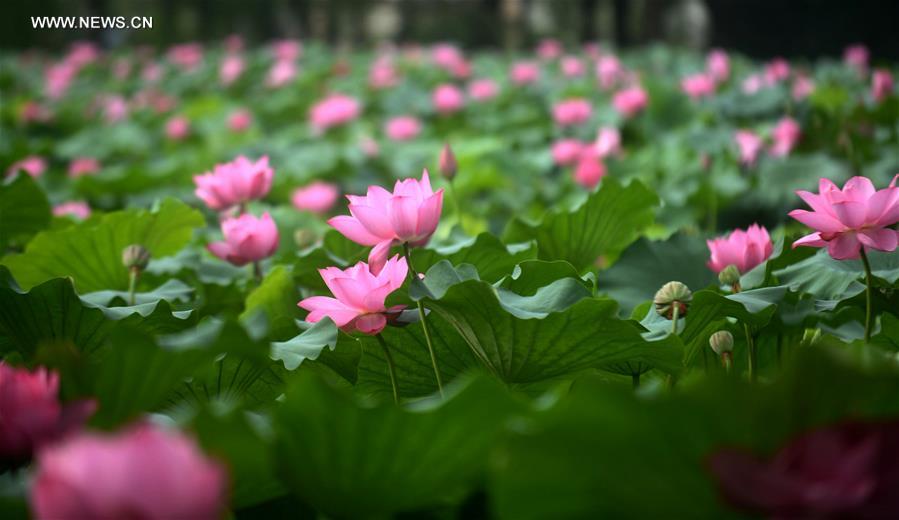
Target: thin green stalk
[[257, 271], [423, 319], [457, 210], [728, 361], [390, 367], [133, 274], [869, 282], [674, 318], [635, 380], [753, 354]]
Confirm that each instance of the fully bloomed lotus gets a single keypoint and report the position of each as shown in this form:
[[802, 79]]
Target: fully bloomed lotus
[[144, 472], [233, 183], [247, 239], [382, 219], [360, 294], [845, 220], [742, 249]]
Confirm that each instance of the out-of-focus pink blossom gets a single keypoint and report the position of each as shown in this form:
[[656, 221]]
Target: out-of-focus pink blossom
[[856, 56], [152, 72], [187, 56], [785, 135], [82, 53], [446, 56], [360, 294], [447, 99], [286, 50], [881, 84], [231, 68], [115, 109], [749, 145], [177, 128], [33, 165], [845, 220], [742, 249], [234, 43], [334, 110], [81, 166], [317, 197], [630, 101], [608, 71], [566, 152], [233, 183], [777, 70], [58, 78], [698, 86], [121, 69], [143, 472], [382, 74], [281, 73], [572, 112], [33, 111], [572, 67], [589, 169], [247, 239], [75, 208], [240, 120], [608, 142], [369, 147], [524, 73], [402, 128], [753, 83], [483, 89], [549, 49], [717, 65], [803, 86]]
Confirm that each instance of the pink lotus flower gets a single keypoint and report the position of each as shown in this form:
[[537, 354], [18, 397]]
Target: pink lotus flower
[[234, 43], [572, 112], [382, 74], [143, 472], [752, 84], [776, 70], [840, 471], [717, 65], [567, 151], [369, 147], [31, 415], [281, 73], [446, 56], [845, 220], [608, 71], [786, 134], [76, 208], [151, 73], [524, 73], [402, 128], [34, 112], [856, 56], [698, 86], [447, 99], [590, 169], [317, 197], [572, 67], [608, 142], [750, 144], [247, 239], [231, 68], [235, 182], [881, 84], [742, 249], [33, 165], [630, 101], [803, 86], [360, 295], [549, 49], [115, 108], [334, 110], [483, 89], [408, 215], [240, 120], [286, 50], [188, 56], [177, 128], [58, 78], [81, 166]]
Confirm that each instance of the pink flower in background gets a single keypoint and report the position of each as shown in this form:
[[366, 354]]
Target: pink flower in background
[[247, 239], [402, 128], [382, 74], [753, 83], [881, 84], [234, 43], [446, 56], [381, 219], [742, 249], [177, 128], [115, 108], [549, 49], [483, 89], [231, 68], [608, 71], [856, 56], [152, 72], [143, 472], [845, 220], [82, 53], [286, 50], [776, 70], [630, 101], [235, 182], [524, 73], [76, 208], [334, 110], [31, 415], [566, 152], [608, 142], [572, 112], [122, 68], [749, 144], [81, 166], [840, 471], [369, 147], [589, 169], [58, 78], [803, 86], [34, 112], [447, 99], [360, 296], [240, 120], [698, 86], [717, 65], [33, 165], [317, 197], [281, 73], [572, 67], [461, 70], [187, 56], [785, 135]]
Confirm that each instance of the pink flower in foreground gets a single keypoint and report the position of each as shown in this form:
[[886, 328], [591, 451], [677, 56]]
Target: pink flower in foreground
[[402, 128], [608, 142], [240, 120], [247, 239], [590, 169], [572, 112], [785, 135], [750, 144], [630, 101], [856, 56], [524, 73], [567, 151], [360, 295], [572, 67], [840, 471], [31, 415], [83, 166], [881, 84], [231, 68], [608, 71], [143, 472], [76, 208], [483, 89], [717, 65], [845, 220], [698, 86], [334, 110], [742, 249], [317, 197], [235, 182], [447, 99], [33, 165], [177, 128], [408, 215]]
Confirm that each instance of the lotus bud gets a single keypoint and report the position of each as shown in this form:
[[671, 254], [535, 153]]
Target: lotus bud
[[730, 275], [722, 342], [136, 257], [673, 299], [448, 165]]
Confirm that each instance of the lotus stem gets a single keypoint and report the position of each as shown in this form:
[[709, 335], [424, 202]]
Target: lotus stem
[[869, 282], [257, 271], [635, 380], [753, 354], [424, 322], [133, 275], [390, 368]]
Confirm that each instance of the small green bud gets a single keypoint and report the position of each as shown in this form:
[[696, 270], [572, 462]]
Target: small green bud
[[135, 256], [722, 342], [673, 295], [730, 275]]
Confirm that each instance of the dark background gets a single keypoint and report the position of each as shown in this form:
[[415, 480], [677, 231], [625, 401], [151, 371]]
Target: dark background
[[759, 28]]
